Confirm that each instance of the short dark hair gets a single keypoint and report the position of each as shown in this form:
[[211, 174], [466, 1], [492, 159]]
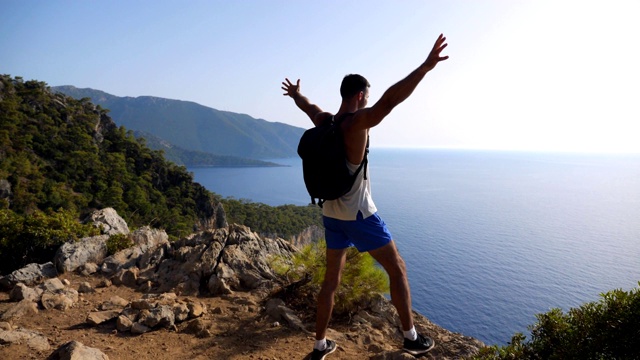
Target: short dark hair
[[352, 84]]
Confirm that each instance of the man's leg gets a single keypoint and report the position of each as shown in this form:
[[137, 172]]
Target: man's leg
[[335, 263], [390, 259]]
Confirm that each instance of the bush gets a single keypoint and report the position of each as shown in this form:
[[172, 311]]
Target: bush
[[118, 242], [304, 274], [607, 329], [32, 238]]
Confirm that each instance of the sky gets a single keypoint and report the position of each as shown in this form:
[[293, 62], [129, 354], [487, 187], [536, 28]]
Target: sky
[[525, 75]]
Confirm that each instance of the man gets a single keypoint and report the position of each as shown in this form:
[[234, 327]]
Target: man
[[352, 219]]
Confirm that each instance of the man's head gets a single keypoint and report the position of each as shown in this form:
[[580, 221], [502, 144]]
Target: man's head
[[355, 85]]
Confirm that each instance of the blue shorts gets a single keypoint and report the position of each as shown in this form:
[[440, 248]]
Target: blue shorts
[[365, 234]]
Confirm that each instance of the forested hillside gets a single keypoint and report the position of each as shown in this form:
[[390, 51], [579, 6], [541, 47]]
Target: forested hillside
[[62, 158], [196, 127]]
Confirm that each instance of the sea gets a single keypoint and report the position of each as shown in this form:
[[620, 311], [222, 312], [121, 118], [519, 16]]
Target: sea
[[490, 238]]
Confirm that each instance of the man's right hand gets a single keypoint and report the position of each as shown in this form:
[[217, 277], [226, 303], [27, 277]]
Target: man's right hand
[[290, 89]]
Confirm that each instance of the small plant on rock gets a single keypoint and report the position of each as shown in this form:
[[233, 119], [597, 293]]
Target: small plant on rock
[[118, 242]]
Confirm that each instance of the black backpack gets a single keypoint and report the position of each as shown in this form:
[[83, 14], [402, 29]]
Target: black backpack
[[324, 162]]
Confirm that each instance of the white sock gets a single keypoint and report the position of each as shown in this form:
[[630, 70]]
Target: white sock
[[411, 334], [321, 344]]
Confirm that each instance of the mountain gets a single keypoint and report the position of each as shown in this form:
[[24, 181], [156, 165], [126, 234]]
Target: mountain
[[191, 158], [196, 127]]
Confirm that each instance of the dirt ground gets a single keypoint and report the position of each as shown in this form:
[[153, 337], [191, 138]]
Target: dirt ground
[[238, 329]]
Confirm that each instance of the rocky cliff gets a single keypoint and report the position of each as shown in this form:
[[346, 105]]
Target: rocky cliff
[[207, 296]]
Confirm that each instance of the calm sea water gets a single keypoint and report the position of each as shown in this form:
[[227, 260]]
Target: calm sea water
[[490, 238]]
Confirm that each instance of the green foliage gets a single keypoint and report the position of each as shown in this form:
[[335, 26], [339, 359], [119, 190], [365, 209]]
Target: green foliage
[[118, 242], [606, 329], [36, 237], [361, 278], [57, 152], [282, 221]]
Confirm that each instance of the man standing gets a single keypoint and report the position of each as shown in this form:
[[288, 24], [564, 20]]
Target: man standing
[[352, 220]]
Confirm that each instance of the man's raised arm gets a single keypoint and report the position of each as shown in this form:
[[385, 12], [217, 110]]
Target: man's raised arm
[[399, 92], [301, 101]]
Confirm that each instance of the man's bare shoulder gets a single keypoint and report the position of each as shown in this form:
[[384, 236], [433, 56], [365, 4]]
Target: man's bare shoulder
[[321, 118], [358, 121]]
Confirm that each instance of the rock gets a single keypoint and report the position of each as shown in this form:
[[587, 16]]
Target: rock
[[29, 275], [75, 350], [73, 255], [126, 277], [85, 287], [141, 304], [138, 328], [195, 309], [21, 292], [277, 310], [59, 299], [109, 220], [145, 240], [114, 303], [180, 312], [5, 189], [198, 327], [88, 269], [52, 285], [123, 323], [99, 317], [24, 307], [103, 283], [34, 340], [160, 316]]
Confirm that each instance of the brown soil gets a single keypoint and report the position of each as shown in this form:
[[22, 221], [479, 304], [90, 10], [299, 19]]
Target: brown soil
[[236, 331]]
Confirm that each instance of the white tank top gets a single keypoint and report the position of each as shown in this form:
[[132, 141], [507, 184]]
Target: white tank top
[[357, 199]]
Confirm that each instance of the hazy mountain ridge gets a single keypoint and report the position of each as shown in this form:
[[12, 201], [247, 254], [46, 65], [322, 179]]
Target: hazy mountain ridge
[[196, 127], [192, 158]]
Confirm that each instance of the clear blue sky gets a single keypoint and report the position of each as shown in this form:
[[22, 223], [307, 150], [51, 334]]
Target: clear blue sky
[[524, 75]]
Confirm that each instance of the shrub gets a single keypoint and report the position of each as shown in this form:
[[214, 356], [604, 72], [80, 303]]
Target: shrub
[[118, 242], [304, 274], [606, 329], [32, 238]]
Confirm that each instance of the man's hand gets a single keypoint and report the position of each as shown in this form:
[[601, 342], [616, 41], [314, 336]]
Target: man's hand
[[434, 56], [290, 89], [301, 101]]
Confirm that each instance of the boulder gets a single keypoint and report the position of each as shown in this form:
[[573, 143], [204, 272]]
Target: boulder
[[276, 310], [138, 328], [21, 292], [74, 255], [162, 315], [85, 287], [5, 189], [109, 220], [145, 240], [123, 323], [75, 350], [52, 285], [24, 307], [227, 260], [29, 275], [33, 339], [99, 317], [114, 303], [60, 299]]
